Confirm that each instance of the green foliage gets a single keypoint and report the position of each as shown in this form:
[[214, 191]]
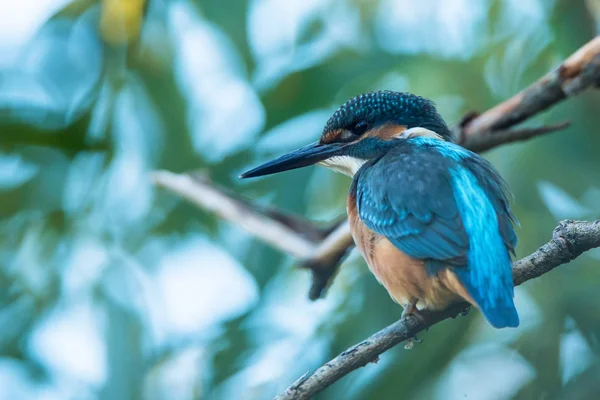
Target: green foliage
[[111, 288]]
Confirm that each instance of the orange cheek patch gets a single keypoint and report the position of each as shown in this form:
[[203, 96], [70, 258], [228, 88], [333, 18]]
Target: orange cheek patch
[[330, 137], [387, 131]]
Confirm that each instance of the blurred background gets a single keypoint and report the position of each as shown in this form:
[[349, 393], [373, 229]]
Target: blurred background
[[113, 289]]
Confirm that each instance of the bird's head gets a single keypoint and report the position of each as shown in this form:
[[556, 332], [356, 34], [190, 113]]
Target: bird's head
[[363, 128]]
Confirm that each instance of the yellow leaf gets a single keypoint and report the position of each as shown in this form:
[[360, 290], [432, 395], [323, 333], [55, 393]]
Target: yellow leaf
[[121, 21]]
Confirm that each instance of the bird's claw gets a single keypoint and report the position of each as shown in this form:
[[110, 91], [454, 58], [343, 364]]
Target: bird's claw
[[462, 313], [409, 309], [410, 343]]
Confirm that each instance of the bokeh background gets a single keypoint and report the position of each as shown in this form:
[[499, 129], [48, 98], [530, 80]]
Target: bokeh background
[[113, 289]]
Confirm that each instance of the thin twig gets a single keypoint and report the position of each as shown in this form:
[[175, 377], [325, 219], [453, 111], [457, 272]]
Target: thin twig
[[321, 250], [326, 258], [210, 198], [578, 72], [486, 141], [569, 240]]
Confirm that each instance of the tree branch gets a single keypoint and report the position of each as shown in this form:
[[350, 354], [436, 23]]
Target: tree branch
[[320, 250], [260, 222], [326, 258], [569, 240], [578, 72], [483, 142]]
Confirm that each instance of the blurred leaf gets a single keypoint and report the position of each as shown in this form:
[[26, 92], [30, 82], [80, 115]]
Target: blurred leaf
[[584, 311], [283, 47], [85, 260], [541, 348], [180, 376], [81, 183], [591, 198], [575, 355], [584, 386], [121, 20], [14, 171], [225, 113], [19, 22], [294, 133], [128, 285], [56, 77], [453, 29], [503, 73], [488, 371], [19, 381], [69, 342], [15, 316], [560, 203], [222, 289], [110, 289]]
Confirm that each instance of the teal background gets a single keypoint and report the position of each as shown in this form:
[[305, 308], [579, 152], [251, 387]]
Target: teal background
[[111, 288]]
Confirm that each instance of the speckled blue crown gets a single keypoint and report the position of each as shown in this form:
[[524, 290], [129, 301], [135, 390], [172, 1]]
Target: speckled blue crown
[[386, 106]]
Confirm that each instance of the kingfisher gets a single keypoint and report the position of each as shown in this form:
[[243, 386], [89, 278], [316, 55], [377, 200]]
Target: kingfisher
[[431, 218]]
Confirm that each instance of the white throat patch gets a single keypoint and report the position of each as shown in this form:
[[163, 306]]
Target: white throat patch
[[344, 164], [350, 165]]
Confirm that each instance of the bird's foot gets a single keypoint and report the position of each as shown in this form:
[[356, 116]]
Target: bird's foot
[[410, 343], [462, 313], [411, 309]]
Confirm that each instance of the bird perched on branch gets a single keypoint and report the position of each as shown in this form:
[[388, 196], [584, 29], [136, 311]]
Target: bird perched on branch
[[431, 218]]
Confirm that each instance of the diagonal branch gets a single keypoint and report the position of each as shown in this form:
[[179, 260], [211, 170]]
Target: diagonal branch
[[483, 142], [258, 221], [569, 240], [320, 250], [325, 259], [578, 72]]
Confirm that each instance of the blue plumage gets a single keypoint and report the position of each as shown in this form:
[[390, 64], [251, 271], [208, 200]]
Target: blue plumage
[[488, 276], [443, 204], [386, 106], [431, 218]]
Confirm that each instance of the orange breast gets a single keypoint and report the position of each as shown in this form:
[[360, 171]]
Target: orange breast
[[405, 278]]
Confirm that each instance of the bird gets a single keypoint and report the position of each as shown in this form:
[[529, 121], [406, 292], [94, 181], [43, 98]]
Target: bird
[[431, 218]]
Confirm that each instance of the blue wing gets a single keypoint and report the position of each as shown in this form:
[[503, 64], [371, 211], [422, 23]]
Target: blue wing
[[408, 198], [497, 192], [440, 203]]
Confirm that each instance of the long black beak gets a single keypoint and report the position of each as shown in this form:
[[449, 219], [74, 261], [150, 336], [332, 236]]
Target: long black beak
[[308, 155]]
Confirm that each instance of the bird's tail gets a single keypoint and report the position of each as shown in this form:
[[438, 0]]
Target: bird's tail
[[502, 315], [494, 297], [488, 274]]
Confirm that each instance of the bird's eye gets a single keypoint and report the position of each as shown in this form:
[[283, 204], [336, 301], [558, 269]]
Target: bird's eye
[[360, 127]]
